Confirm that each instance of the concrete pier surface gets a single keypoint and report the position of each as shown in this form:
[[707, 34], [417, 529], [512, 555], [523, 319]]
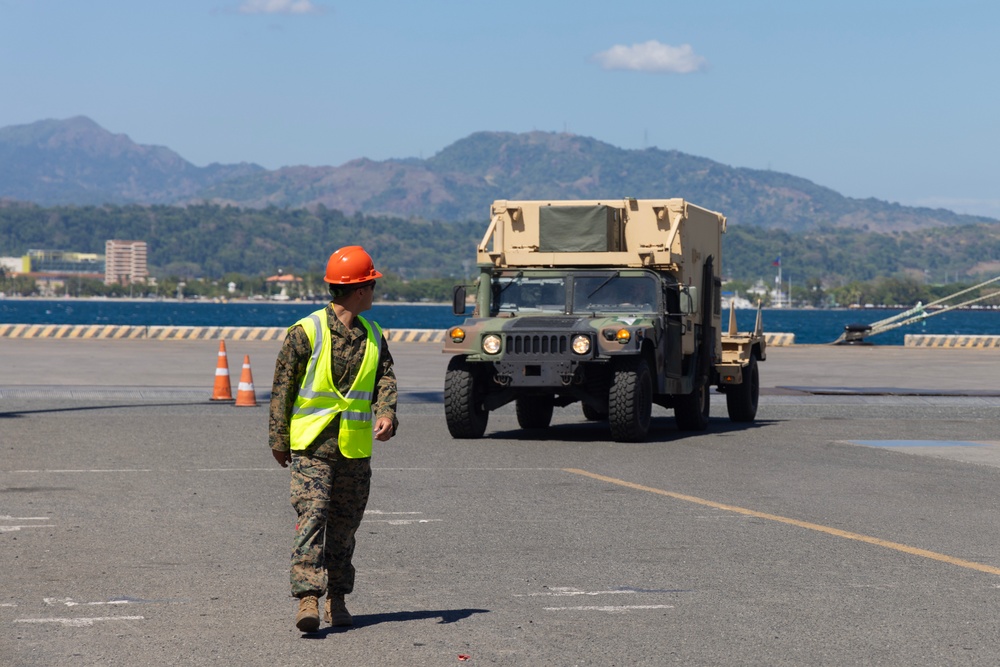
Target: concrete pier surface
[[854, 523], [190, 365]]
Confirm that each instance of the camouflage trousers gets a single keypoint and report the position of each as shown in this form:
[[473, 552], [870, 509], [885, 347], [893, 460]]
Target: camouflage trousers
[[329, 496]]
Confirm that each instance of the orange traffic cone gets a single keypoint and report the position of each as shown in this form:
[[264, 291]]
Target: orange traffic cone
[[245, 396], [223, 387]]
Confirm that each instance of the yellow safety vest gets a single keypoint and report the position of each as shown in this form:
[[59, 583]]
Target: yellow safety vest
[[319, 400]]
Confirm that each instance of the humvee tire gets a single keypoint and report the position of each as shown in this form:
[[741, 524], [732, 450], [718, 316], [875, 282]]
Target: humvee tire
[[534, 411], [691, 410], [630, 400], [741, 399], [464, 410]]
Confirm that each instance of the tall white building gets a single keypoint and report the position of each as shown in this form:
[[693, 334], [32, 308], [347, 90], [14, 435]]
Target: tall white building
[[125, 262]]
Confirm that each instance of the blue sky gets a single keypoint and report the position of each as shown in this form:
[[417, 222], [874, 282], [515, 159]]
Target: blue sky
[[894, 100]]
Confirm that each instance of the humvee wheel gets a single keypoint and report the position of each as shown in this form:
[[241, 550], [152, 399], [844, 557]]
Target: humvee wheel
[[741, 399], [534, 411], [691, 411], [464, 410], [630, 400], [590, 414]]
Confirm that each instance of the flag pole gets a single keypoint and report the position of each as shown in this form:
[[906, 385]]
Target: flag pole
[[777, 291]]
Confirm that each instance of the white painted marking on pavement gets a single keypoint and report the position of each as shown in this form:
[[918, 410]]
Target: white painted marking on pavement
[[7, 604], [560, 592], [70, 603], [267, 469], [273, 469], [18, 527], [80, 622], [34, 472], [613, 610], [396, 522], [470, 469]]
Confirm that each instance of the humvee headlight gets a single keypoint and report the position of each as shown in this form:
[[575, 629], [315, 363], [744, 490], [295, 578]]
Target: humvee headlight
[[581, 344], [491, 344], [457, 335], [623, 336]]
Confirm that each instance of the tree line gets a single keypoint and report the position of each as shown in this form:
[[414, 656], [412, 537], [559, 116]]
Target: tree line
[[208, 246]]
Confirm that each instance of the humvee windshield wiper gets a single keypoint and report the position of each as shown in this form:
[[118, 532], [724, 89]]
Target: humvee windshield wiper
[[504, 288], [602, 285]]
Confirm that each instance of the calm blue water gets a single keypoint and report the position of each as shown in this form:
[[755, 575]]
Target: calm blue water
[[809, 326]]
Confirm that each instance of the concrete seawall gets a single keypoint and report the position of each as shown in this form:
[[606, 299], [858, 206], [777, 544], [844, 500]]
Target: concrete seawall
[[159, 332], [112, 331], [927, 340]]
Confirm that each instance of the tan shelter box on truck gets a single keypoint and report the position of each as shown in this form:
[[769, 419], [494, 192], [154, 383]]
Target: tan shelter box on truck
[[665, 234]]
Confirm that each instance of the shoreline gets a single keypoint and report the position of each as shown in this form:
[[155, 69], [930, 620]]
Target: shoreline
[[275, 302], [214, 302]]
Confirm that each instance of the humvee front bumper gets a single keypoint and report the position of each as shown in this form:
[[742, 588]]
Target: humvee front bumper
[[536, 373]]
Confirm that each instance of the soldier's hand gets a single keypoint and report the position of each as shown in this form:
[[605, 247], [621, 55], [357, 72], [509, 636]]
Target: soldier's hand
[[383, 429], [283, 458]]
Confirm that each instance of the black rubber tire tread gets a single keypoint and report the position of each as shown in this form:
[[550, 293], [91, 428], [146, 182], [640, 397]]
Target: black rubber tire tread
[[691, 411], [533, 412], [464, 411], [630, 400], [590, 414], [741, 399]]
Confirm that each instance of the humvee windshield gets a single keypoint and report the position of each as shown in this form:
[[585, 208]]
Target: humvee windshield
[[604, 292], [519, 293], [614, 293]]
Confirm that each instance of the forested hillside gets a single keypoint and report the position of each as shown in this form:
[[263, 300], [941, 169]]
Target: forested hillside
[[458, 184], [76, 161], [208, 240]]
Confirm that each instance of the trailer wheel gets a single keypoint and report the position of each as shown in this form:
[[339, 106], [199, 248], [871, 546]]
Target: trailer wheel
[[464, 409], [691, 410], [741, 399], [630, 400], [534, 411]]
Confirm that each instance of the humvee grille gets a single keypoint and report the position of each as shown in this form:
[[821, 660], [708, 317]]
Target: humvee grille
[[537, 344]]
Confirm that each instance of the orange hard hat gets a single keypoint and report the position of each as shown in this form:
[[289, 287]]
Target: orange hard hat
[[350, 265]]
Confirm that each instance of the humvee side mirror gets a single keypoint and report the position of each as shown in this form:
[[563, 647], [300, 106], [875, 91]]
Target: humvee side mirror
[[689, 299], [458, 300]]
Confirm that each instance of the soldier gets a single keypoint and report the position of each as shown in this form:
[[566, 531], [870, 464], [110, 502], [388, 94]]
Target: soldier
[[333, 378]]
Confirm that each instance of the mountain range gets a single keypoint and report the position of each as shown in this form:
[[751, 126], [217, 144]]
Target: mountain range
[[77, 162]]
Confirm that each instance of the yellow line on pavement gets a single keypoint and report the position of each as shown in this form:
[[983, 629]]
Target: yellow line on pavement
[[913, 551]]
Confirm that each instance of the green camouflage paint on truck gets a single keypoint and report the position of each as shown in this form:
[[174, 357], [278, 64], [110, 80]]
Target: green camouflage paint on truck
[[613, 304]]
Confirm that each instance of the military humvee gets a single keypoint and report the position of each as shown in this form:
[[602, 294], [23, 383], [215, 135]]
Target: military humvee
[[615, 304]]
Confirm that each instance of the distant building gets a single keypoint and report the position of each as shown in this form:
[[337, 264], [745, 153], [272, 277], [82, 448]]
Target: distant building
[[15, 265], [54, 270], [125, 262], [63, 262], [285, 281]]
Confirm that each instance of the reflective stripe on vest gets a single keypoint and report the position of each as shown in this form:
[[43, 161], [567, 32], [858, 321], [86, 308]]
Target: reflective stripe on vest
[[319, 401]]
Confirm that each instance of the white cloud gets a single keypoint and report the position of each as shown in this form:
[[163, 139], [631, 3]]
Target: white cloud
[[652, 56], [279, 7]]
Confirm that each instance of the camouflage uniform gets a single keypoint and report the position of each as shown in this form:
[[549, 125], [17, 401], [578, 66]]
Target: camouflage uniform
[[328, 491]]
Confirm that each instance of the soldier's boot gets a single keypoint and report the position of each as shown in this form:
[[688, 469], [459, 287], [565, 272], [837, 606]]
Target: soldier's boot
[[336, 611], [307, 619]]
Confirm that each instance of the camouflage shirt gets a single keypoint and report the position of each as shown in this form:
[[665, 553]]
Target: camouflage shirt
[[347, 351]]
